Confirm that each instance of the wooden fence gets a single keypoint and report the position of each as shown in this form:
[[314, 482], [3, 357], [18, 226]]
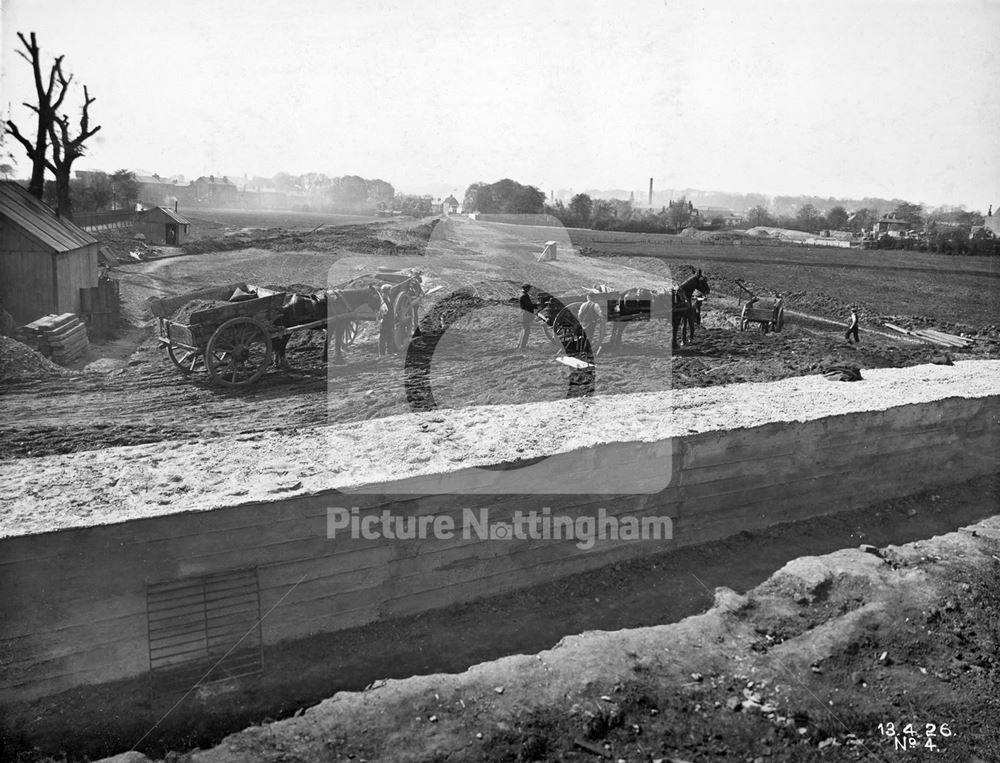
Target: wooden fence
[[105, 220], [99, 306]]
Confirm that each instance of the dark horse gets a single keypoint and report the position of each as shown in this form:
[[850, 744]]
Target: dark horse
[[641, 304], [325, 306]]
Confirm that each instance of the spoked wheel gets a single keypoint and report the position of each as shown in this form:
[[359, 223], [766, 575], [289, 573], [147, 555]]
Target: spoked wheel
[[565, 326], [403, 321], [238, 353], [780, 321], [351, 330], [186, 360], [744, 322]]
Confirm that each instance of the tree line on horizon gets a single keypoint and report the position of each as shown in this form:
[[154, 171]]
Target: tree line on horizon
[[943, 229]]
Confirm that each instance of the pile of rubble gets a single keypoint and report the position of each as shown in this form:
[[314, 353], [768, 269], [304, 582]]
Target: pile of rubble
[[18, 361]]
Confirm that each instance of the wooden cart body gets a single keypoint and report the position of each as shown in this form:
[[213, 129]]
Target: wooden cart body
[[770, 316], [562, 327], [241, 333], [194, 334]]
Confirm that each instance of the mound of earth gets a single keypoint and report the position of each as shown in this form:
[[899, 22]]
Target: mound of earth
[[842, 656], [184, 313], [18, 361]]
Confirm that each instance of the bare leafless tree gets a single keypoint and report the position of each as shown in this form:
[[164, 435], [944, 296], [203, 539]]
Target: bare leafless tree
[[66, 149], [50, 93]]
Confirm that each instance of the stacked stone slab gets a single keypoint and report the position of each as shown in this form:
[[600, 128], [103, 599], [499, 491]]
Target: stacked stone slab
[[63, 338]]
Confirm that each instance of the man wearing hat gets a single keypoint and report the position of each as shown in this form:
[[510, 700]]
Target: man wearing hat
[[527, 315]]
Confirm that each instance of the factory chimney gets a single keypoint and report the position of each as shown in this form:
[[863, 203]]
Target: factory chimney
[[651, 192]]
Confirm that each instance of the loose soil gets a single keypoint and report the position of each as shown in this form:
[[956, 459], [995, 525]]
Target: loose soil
[[475, 362], [840, 657]]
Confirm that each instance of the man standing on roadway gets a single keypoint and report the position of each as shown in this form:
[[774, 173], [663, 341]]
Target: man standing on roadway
[[588, 315]]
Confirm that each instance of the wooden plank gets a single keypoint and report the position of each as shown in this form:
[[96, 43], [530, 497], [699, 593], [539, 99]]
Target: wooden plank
[[937, 340], [68, 334], [167, 306], [960, 340], [252, 308]]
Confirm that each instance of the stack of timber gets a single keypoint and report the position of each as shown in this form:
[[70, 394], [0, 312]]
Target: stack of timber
[[933, 336], [60, 337]]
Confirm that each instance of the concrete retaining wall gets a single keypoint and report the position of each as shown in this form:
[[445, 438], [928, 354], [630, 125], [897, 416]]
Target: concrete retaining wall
[[74, 601]]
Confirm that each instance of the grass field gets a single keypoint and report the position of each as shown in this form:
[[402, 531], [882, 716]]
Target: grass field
[[944, 289]]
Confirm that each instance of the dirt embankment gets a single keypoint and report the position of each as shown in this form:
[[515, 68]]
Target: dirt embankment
[[846, 656], [368, 239]]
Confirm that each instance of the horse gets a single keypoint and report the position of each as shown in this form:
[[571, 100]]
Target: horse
[[685, 308], [326, 306], [640, 304]]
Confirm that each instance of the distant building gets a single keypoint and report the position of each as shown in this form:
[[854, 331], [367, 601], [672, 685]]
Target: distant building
[[162, 226], [991, 221], [894, 226], [728, 217], [156, 191], [44, 259], [215, 192], [450, 206]]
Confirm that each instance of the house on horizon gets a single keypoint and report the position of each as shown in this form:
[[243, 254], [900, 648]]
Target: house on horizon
[[450, 206], [891, 225], [45, 260], [215, 192], [158, 191], [729, 217], [991, 221]]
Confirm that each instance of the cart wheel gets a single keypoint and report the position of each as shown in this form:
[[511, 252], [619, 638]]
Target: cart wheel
[[403, 322], [238, 353], [744, 322], [186, 360], [780, 322], [351, 330], [565, 326]]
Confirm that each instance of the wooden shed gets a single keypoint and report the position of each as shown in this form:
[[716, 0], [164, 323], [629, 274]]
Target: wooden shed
[[162, 226], [44, 259]]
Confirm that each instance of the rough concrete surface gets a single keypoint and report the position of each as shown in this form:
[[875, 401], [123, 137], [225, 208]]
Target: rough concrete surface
[[118, 484]]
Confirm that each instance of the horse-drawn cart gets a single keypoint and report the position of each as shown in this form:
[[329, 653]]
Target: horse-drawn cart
[[403, 295], [769, 314], [562, 326], [619, 308], [235, 342]]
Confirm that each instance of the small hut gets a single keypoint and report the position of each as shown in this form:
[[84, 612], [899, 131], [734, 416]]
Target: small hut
[[45, 260], [162, 226]]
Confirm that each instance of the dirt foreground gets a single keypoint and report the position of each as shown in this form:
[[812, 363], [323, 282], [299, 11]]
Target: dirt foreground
[[860, 654]]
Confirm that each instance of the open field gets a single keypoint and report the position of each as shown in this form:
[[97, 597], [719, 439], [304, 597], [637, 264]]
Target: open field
[[947, 290], [139, 396]]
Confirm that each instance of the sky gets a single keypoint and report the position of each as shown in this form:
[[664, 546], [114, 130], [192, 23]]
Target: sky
[[845, 98]]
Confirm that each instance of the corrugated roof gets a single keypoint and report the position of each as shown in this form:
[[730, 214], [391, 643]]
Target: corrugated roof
[[170, 214], [39, 222], [174, 216]]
